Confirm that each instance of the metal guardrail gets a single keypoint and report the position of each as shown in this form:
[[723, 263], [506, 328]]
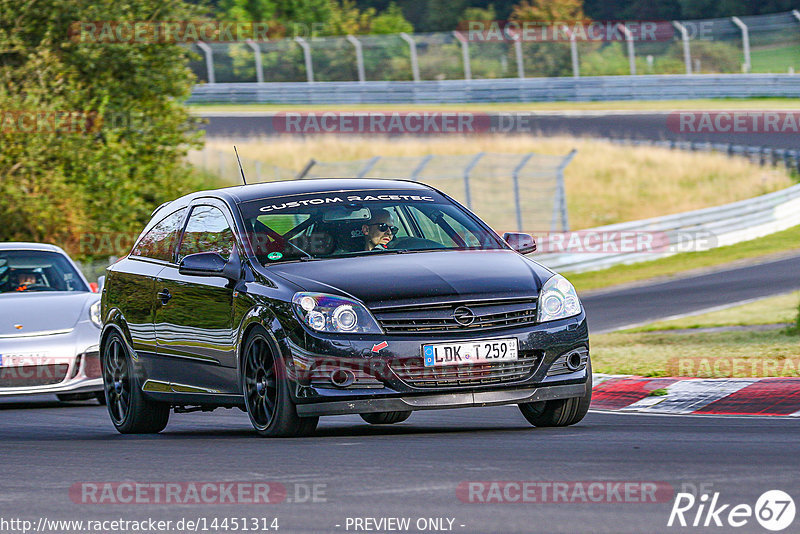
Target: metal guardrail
[[695, 230], [645, 87]]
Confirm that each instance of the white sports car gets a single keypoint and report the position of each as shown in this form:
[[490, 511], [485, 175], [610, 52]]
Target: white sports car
[[49, 325]]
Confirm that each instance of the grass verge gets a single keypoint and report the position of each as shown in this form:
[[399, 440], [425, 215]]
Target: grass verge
[[655, 351], [786, 241], [606, 183], [619, 105]]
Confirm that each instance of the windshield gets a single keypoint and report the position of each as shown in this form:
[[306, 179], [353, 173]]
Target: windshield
[[34, 270], [352, 223]]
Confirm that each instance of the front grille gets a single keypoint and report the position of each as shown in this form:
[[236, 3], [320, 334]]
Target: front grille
[[438, 317], [414, 373], [32, 375]]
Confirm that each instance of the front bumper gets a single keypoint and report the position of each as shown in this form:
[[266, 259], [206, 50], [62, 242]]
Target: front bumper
[[443, 400], [382, 386], [50, 364]]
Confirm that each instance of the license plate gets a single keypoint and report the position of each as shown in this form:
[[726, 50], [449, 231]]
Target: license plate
[[21, 359], [483, 351]]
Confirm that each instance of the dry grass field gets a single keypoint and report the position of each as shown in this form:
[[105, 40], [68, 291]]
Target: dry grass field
[[605, 183]]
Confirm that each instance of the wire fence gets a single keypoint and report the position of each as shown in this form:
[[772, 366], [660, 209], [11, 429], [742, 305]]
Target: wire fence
[[758, 44], [509, 191]]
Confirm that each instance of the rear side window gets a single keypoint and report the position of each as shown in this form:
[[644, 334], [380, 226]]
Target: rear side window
[[207, 231], [159, 242]]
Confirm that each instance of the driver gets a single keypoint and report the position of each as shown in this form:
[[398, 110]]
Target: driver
[[379, 231], [24, 280]]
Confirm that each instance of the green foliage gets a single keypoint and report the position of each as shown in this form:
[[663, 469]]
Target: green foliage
[[56, 186], [797, 322]]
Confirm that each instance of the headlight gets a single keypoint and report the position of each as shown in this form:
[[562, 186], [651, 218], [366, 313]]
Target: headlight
[[338, 315], [94, 314], [558, 300]]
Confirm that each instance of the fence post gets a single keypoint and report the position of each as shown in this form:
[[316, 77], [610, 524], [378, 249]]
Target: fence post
[[515, 178], [745, 41], [464, 54], [209, 60], [368, 167], [467, 171], [631, 51], [687, 54], [416, 172], [259, 65], [362, 77], [573, 52], [518, 53], [306, 169], [412, 46], [307, 56], [258, 170], [562, 194]]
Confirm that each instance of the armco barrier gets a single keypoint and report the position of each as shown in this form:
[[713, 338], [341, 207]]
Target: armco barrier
[[645, 87], [721, 225]]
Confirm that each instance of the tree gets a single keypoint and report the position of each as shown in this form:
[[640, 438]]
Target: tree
[[127, 155], [548, 11]]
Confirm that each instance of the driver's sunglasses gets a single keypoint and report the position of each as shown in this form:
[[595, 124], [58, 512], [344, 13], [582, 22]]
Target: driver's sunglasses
[[383, 227]]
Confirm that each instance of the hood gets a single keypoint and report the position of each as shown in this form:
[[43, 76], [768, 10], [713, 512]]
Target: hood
[[381, 278], [43, 312]]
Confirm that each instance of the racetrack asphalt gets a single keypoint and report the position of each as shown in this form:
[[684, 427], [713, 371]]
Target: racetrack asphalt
[[408, 470], [612, 309], [654, 126]]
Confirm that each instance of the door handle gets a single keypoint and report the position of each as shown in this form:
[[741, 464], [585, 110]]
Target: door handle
[[164, 296]]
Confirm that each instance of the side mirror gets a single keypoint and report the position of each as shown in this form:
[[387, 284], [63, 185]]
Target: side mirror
[[522, 243], [210, 264], [101, 283]]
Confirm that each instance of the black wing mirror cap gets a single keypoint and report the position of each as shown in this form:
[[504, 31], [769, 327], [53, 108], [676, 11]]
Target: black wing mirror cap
[[210, 264], [522, 243]]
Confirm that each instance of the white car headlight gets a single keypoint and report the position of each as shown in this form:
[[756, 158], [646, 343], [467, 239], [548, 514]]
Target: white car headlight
[[558, 300], [333, 314], [94, 315]]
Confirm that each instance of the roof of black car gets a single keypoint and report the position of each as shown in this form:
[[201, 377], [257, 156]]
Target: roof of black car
[[244, 193]]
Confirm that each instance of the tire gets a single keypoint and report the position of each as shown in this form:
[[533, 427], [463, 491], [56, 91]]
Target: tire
[[130, 411], [72, 397], [561, 412], [385, 418], [267, 397], [101, 397]]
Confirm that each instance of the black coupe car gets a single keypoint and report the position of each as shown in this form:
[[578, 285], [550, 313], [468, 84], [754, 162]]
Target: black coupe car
[[295, 300]]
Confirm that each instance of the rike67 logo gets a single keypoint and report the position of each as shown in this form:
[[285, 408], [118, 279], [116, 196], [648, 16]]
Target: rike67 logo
[[774, 510]]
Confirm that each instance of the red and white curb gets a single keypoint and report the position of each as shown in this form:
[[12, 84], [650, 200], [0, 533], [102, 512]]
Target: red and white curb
[[717, 396]]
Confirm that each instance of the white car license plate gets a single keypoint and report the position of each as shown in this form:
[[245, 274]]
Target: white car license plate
[[21, 359], [479, 351]]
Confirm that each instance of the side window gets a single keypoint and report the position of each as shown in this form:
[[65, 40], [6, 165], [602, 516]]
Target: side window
[[159, 242], [431, 230], [207, 231], [469, 238]]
